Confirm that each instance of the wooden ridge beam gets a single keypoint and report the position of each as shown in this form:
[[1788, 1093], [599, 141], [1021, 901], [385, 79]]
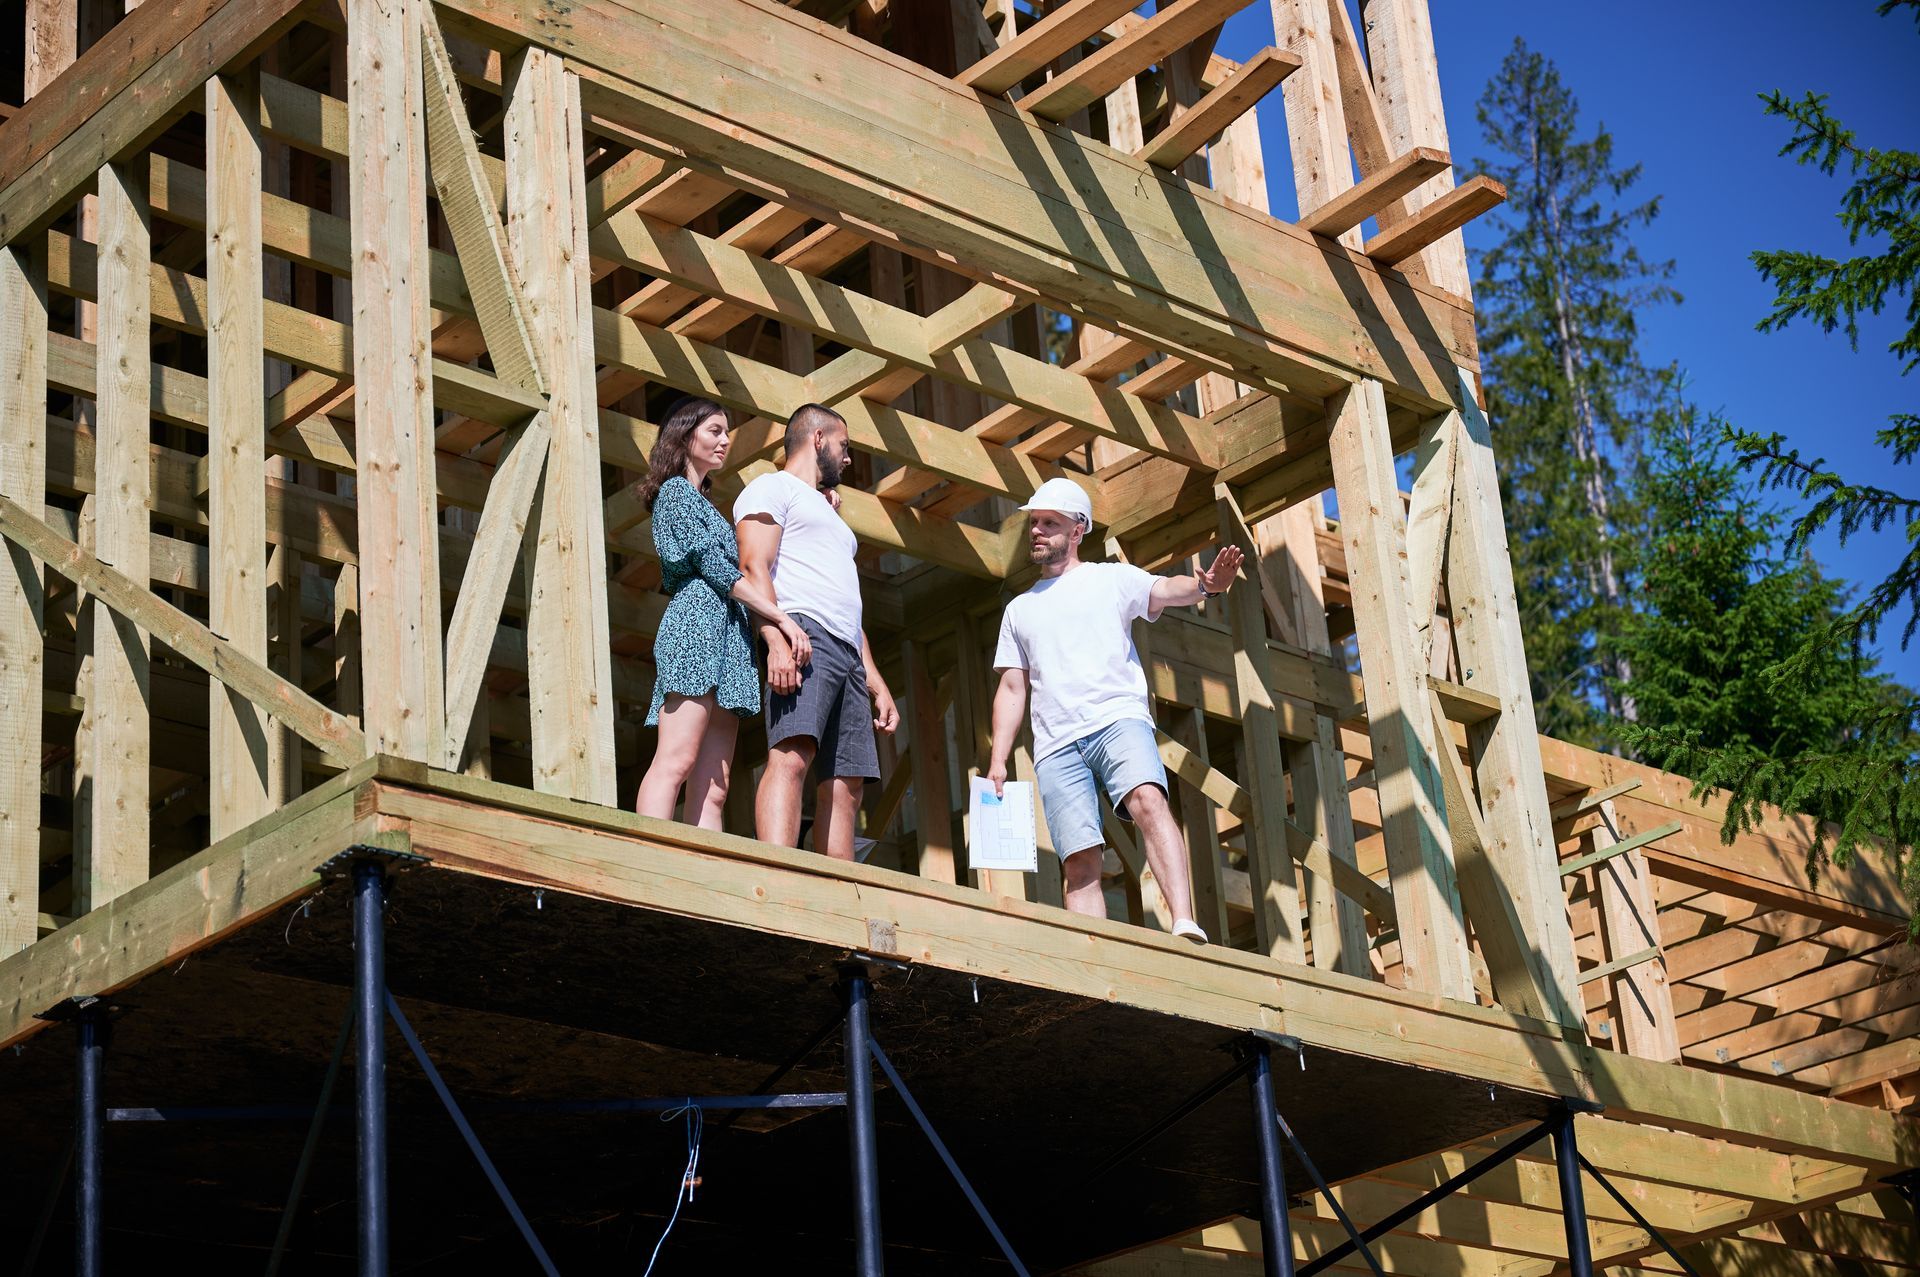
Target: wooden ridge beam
[[1120, 59], [336, 737], [1212, 114], [1061, 31], [1445, 215]]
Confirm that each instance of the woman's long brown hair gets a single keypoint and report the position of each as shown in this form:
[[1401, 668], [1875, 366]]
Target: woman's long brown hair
[[669, 455]]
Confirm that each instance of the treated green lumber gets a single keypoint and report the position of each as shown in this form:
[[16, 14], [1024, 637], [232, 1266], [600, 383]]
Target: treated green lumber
[[332, 734], [1118, 60], [1144, 254], [1442, 217], [1567, 809], [1380, 190], [1209, 117], [1592, 858], [1066, 28], [1618, 965]]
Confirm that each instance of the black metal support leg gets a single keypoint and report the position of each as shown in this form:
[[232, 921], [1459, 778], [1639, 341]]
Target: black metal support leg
[[91, 1034], [1573, 1198], [1276, 1230], [370, 1011], [860, 1123]]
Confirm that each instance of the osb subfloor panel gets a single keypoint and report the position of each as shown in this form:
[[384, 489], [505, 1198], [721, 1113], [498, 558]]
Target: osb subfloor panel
[[570, 998]]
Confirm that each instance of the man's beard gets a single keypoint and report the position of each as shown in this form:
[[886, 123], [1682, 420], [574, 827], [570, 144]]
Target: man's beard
[[831, 466], [1044, 553]]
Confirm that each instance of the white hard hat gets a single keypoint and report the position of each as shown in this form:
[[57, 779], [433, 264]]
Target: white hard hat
[[1063, 496]]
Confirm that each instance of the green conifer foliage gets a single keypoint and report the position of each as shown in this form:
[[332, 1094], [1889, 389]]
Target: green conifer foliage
[[1566, 390]]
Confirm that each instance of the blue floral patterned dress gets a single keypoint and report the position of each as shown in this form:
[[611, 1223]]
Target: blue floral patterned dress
[[703, 644]]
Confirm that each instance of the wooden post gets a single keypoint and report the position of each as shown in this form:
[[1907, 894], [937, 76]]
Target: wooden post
[[1627, 908], [569, 643], [118, 732], [1406, 78], [1412, 810], [23, 478], [52, 42], [401, 674], [236, 445], [1202, 833], [933, 800], [1505, 748]]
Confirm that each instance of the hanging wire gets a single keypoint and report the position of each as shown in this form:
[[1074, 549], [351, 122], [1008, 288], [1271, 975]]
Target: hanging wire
[[696, 1120]]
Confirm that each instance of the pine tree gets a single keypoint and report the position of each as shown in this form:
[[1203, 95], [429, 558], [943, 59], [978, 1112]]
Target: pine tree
[[1557, 299], [1719, 603], [1869, 782]]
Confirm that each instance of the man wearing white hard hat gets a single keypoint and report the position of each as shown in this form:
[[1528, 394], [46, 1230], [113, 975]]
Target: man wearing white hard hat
[[1069, 642]]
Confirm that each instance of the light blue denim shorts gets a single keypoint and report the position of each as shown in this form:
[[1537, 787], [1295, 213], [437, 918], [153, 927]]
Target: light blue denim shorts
[[1117, 759]]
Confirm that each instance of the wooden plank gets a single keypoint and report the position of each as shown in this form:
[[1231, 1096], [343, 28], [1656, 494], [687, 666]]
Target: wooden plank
[[978, 206], [1120, 59], [1276, 889], [401, 671], [183, 909], [1429, 514], [246, 675], [1406, 79], [117, 730], [1197, 823], [23, 479], [1441, 218], [236, 444], [1611, 847], [1377, 192], [933, 799], [1316, 124], [1432, 941], [569, 652], [1210, 116], [127, 89], [483, 588], [1570, 808], [1506, 747], [1061, 31], [467, 200], [52, 39]]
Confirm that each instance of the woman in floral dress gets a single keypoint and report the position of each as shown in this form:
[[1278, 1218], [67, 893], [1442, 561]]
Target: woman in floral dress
[[705, 680]]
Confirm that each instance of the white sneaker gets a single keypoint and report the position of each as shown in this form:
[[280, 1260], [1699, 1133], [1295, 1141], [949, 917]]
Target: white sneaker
[[1188, 929]]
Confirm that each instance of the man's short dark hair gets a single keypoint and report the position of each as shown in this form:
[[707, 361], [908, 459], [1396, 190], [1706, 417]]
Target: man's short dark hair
[[806, 419]]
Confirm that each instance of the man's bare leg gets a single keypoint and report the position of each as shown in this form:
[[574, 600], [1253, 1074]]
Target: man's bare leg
[[1166, 849], [836, 815], [776, 805], [1082, 873]]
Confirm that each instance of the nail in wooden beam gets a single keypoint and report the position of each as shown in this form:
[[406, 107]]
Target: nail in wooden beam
[[118, 731], [23, 479], [236, 443], [401, 670]]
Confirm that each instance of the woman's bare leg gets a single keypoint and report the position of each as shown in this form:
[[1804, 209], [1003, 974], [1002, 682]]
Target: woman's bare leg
[[683, 725], [712, 773]]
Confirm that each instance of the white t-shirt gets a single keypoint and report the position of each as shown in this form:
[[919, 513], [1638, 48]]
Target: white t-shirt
[[1073, 635], [814, 574]]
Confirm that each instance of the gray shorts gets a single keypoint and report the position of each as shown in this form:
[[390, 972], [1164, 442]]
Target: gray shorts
[[832, 708]]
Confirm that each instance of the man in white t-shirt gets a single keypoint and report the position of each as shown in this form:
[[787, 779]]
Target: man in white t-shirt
[[821, 716], [1069, 640]]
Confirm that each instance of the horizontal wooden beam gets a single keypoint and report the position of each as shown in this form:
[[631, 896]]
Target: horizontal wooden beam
[[1210, 116], [333, 734], [1119, 60], [1146, 254], [1379, 191], [1442, 217], [1064, 29]]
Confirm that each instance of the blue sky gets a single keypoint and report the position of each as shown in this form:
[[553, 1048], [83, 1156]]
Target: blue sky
[[1676, 84]]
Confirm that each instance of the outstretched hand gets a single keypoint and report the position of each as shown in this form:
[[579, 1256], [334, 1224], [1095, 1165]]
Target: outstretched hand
[[1226, 564]]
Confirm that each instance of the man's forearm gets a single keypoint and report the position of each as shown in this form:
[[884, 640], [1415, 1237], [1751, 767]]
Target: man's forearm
[[1008, 705]]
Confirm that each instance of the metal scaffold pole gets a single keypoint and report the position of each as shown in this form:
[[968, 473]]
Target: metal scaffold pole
[[1276, 1230], [91, 1033], [862, 1136], [369, 994], [1573, 1199]]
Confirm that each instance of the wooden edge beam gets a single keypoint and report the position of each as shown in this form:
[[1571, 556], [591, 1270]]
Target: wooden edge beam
[[332, 734], [1442, 217], [1379, 191], [1211, 115], [1065, 29]]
